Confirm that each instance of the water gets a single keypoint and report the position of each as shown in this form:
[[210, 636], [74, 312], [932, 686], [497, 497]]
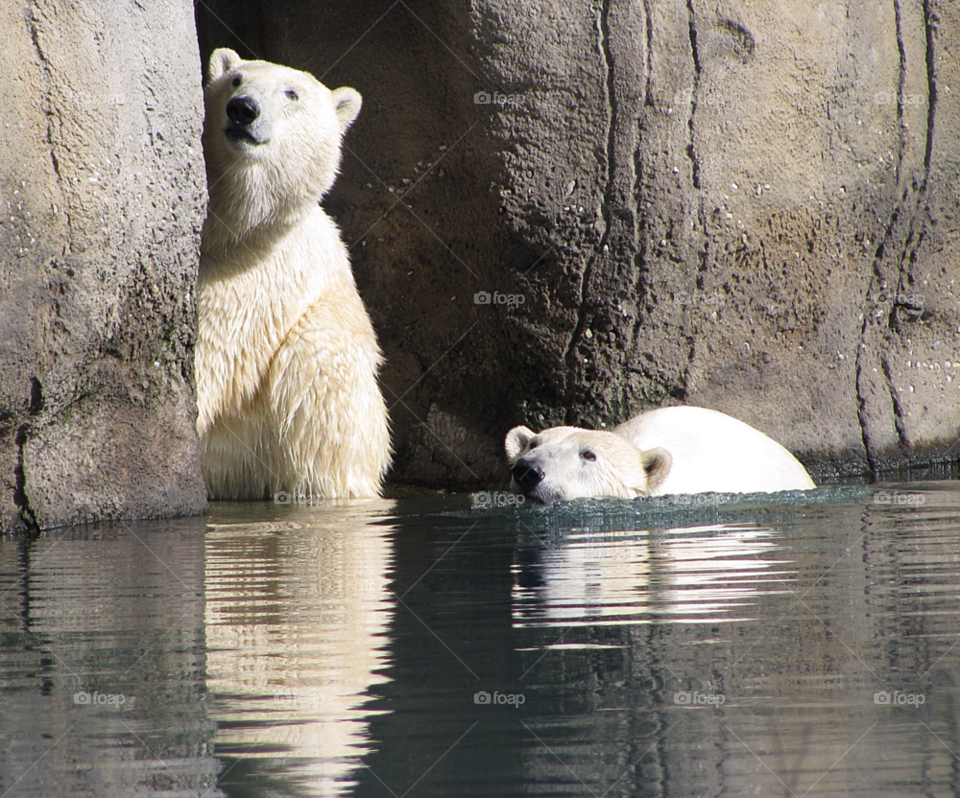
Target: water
[[800, 644]]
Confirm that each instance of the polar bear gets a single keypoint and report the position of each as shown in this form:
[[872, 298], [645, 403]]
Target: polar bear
[[670, 450], [286, 356]]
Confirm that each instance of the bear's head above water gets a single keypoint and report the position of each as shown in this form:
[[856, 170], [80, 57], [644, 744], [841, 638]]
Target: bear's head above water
[[277, 131], [571, 463]]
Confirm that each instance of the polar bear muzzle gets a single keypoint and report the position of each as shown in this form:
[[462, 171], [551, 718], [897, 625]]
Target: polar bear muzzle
[[526, 474], [245, 124], [527, 478]]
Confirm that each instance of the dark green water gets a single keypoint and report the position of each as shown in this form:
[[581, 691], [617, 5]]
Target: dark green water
[[779, 646]]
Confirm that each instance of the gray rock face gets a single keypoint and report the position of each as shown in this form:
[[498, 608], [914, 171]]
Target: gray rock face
[[750, 207], [103, 193]]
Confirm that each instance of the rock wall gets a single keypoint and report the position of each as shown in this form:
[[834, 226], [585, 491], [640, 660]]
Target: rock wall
[[750, 206], [103, 194]]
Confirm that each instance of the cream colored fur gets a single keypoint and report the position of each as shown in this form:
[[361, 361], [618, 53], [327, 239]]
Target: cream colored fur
[[286, 357], [671, 450]]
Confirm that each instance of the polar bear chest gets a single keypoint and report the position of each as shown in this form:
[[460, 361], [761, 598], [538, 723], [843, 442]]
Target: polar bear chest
[[249, 298]]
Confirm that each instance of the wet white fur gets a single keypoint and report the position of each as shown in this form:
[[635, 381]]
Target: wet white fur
[[708, 452], [286, 357]]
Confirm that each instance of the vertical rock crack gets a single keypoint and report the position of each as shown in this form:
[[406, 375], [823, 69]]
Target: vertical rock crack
[[606, 58]]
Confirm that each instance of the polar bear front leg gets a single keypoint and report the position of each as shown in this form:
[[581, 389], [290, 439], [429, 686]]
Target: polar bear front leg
[[328, 419]]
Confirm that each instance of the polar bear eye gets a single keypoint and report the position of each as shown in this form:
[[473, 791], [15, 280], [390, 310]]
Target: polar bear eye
[[587, 454], [292, 94], [237, 81]]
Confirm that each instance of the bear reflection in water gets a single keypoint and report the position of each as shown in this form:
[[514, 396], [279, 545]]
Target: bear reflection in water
[[625, 577], [298, 611], [670, 450]]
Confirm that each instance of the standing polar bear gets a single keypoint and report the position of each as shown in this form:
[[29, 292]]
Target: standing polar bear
[[286, 356], [671, 450]]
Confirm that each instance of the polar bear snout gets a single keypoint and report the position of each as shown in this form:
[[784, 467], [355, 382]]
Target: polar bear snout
[[246, 123], [526, 474], [242, 110]]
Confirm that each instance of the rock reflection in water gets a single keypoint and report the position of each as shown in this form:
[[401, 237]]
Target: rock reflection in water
[[297, 613], [101, 663]]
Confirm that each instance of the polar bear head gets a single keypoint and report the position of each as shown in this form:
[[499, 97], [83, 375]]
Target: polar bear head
[[573, 463], [271, 139]]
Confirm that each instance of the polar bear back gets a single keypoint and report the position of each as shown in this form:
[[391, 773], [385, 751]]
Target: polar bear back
[[714, 452]]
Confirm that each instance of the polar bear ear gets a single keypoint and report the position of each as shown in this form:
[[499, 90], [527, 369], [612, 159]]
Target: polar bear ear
[[222, 61], [516, 441], [656, 463], [346, 102]]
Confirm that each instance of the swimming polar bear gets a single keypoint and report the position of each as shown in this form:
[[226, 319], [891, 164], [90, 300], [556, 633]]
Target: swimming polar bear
[[670, 450]]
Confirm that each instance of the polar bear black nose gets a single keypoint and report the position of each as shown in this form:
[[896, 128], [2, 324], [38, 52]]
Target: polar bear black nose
[[242, 110], [526, 475]]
